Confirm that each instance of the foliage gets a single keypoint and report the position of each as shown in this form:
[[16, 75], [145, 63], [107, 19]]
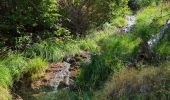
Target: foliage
[[119, 8], [37, 21], [118, 22], [114, 56], [138, 4], [80, 15], [150, 22], [31, 14], [163, 48]]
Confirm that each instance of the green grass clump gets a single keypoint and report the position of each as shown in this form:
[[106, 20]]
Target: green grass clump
[[150, 22], [163, 48], [118, 22], [36, 65], [52, 49], [16, 64], [116, 52], [5, 77], [5, 94]]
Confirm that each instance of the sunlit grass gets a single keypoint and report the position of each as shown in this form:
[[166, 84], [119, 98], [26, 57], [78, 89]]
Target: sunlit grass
[[5, 94], [5, 77]]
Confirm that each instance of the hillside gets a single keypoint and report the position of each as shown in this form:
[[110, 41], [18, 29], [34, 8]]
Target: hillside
[[84, 50]]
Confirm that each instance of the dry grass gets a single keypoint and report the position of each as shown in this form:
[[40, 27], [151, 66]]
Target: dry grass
[[148, 83]]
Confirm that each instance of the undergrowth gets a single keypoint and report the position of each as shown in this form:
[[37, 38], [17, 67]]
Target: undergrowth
[[112, 53], [150, 83]]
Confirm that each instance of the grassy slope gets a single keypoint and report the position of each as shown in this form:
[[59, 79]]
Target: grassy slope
[[128, 83], [115, 52], [36, 58], [150, 83]]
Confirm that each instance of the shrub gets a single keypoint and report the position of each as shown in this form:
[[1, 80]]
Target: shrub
[[116, 52], [138, 4], [81, 15], [163, 48], [28, 18]]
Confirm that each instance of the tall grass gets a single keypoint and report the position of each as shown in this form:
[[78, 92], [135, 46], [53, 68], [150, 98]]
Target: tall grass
[[150, 21], [116, 52], [150, 83], [163, 48], [5, 77], [36, 65]]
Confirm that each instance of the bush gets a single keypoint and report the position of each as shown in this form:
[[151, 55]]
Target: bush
[[82, 15], [27, 15], [28, 18], [137, 4]]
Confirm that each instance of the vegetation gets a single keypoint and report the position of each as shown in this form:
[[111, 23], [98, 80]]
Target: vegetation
[[34, 34], [149, 83]]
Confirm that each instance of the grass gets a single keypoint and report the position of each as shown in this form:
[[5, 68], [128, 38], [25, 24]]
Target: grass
[[117, 51], [114, 53], [150, 21], [16, 64], [149, 83], [163, 48], [5, 77], [5, 94]]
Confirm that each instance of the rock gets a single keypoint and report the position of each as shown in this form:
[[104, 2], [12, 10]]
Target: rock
[[62, 74], [131, 22], [156, 38]]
